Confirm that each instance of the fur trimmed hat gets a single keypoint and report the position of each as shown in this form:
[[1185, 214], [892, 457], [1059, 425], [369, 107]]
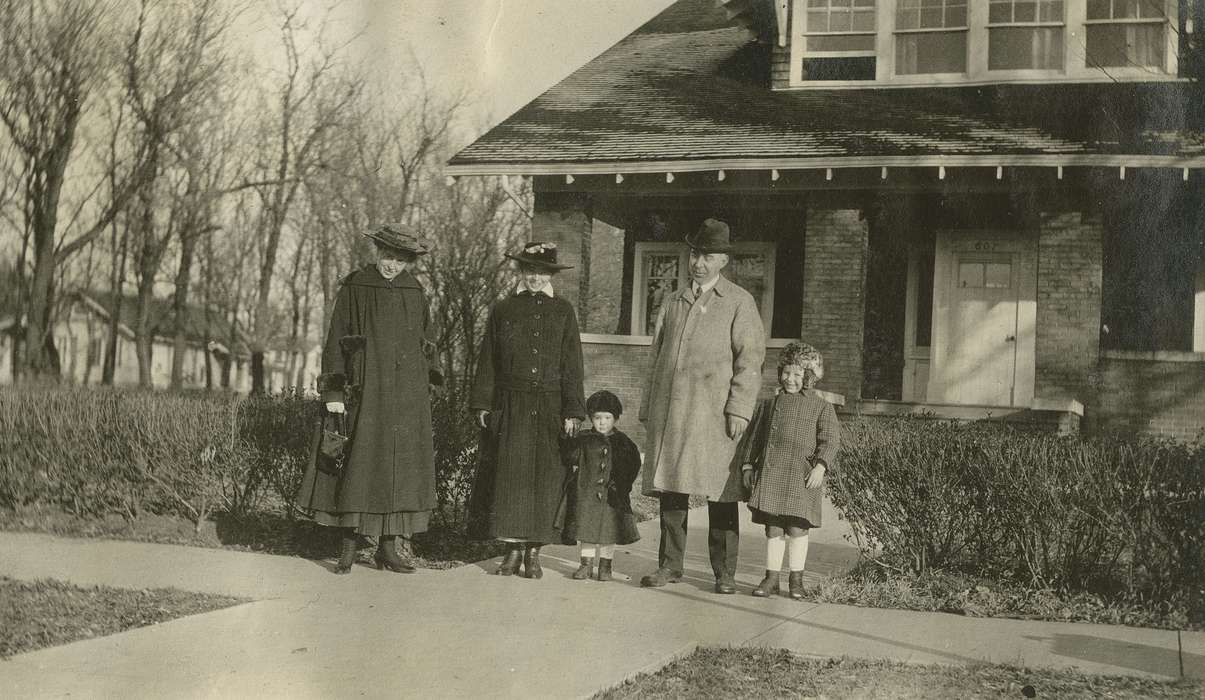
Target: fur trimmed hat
[[605, 402], [802, 355]]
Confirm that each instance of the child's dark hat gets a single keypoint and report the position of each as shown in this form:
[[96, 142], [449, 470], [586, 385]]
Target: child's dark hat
[[540, 255], [604, 402]]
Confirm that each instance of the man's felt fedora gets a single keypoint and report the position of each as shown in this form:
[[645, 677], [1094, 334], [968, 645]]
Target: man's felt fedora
[[712, 237]]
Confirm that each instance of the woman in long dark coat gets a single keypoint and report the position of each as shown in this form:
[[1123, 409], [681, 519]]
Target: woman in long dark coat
[[374, 369], [527, 392]]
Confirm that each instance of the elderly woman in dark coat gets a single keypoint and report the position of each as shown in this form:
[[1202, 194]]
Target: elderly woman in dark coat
[[375, 371], [527, 392]]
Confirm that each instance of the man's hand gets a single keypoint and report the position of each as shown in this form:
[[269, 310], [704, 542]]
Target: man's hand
[[747, 478], [816, 476], [571, 426], [482, 415], [335, 407], [736, 426]]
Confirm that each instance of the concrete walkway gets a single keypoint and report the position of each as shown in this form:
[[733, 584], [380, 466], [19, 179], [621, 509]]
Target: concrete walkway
[[464, 633]]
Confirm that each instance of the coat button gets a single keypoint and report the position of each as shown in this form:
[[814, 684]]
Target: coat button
[[536, 317], [536, 334], [534, 370], [535, 351]]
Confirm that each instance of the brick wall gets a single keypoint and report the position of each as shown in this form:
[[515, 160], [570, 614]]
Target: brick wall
[[564, 218], [1068, 306], [834, 295], [604, 292], [1151, 392]]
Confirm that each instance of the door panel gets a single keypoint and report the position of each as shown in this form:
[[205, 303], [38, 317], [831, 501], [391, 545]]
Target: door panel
[[981, 357]]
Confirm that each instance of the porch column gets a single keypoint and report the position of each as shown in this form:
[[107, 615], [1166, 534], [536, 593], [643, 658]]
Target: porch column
[[1198, 312], [834, 295], [564, 218], [1067, 345]]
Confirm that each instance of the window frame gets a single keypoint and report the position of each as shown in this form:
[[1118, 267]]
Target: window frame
[[765, 304], [1036, 24], [860, 53], [1169, 14], [978, 31]]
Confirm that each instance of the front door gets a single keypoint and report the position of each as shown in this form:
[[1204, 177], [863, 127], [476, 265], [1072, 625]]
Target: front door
[[982, 349], [983, 334]]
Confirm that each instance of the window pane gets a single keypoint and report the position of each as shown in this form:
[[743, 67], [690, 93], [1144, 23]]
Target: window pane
[[956, 16], [970, 274], [1125, 9], [844, 42], [1025, 11], [931, 18], [1099, 9], [1015, 48], [998, 275], [1000, 12], [748, 270], [1051, 11], [938, 52], [864, 20], [1118, 45], [839, 22], [1151, 9], [818, 21], [907, 19]]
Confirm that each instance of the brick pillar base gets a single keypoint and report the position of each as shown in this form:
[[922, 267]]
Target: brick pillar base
[[1067, 345], [834, 295]]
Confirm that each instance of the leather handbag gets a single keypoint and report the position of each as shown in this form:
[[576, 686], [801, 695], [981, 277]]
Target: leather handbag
[[332, 445]]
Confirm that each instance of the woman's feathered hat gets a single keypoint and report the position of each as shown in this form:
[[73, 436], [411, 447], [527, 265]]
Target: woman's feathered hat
[[539, 254]]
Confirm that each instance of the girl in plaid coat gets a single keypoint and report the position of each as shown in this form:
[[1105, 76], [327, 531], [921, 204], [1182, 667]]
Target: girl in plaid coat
[[790, 444]]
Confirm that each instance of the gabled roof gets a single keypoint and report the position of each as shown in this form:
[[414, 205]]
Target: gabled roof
[[163, 320], [689, 91]]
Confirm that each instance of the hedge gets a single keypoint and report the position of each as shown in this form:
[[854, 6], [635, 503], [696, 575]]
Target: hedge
[[96, 451], [1097, 513]]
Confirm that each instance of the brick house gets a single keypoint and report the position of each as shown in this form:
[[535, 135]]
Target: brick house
[[975, 208]]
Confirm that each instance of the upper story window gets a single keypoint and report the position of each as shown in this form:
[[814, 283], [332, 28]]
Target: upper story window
[[839, 40], [1025, 35], [928, 42], [1126, 33], [931, 37]]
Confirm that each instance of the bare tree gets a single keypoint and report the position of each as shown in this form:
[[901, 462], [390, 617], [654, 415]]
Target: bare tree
[[312, 100], [53, 56]]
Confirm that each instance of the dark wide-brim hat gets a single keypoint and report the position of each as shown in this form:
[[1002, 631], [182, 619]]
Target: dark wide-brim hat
[[539, 254], [398, 236], [603, 401], [712, 237]]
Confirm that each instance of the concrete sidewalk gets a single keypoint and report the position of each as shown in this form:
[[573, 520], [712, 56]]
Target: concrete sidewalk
[[464, 633]]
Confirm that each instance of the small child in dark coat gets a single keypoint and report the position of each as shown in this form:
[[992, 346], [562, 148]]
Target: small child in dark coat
[[790, 444], [606, 463]]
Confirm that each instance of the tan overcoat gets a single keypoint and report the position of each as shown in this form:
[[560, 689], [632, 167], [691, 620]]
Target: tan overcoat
[[707, 362]]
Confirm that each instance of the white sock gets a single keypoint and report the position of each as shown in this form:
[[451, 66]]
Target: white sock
[[587, 551], [606, 551], [775, 548], [797, 552]]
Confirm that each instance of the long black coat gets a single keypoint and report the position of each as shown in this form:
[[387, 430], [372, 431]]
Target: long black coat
[[529, 376], [390, 467], [607, 466]]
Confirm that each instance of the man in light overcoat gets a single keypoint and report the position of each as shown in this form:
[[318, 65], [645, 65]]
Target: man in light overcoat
[[708, 348]]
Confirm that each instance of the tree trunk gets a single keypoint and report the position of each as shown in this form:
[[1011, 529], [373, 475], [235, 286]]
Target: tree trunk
[[109, 370], [188, 246]]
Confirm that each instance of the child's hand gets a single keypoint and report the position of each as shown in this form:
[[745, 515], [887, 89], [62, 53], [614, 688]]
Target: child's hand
[[573, 468], [816, 476]]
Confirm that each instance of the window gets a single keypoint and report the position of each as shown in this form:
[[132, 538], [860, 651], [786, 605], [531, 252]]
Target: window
[[661, 270], [931, 37], [984, 275], [1126, 33], [1025, 34], [839, 40]]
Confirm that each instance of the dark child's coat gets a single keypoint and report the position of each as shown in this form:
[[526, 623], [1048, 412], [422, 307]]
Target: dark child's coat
[[529, 376], [789, 433], [607, 466], [390, 465]]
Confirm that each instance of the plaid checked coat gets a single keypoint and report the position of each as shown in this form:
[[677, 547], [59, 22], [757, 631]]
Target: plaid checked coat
[[788, 434]]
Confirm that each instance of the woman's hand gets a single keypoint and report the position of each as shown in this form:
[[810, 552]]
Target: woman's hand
[[482, 415], [571, 426], [816, 476]]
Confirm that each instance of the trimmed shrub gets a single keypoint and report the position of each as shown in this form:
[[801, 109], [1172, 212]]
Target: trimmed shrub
[[1100, 514]]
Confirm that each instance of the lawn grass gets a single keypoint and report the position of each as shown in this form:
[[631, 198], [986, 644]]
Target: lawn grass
[[765, 673], [44, 613]]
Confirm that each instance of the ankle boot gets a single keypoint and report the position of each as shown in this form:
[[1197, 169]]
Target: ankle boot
[[795, 585], [387, 557], [531, 562], [583, 571], [769, 585], [347, 553], [604, 569], [510, 562]]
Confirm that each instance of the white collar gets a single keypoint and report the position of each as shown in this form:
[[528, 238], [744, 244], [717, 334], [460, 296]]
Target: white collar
[[703, 288], [546, 289]]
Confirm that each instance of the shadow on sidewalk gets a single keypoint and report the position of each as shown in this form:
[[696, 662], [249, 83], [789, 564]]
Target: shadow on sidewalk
[[1114, 652]]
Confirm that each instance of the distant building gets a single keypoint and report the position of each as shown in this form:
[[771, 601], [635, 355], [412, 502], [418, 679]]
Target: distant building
[[81, 337]]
